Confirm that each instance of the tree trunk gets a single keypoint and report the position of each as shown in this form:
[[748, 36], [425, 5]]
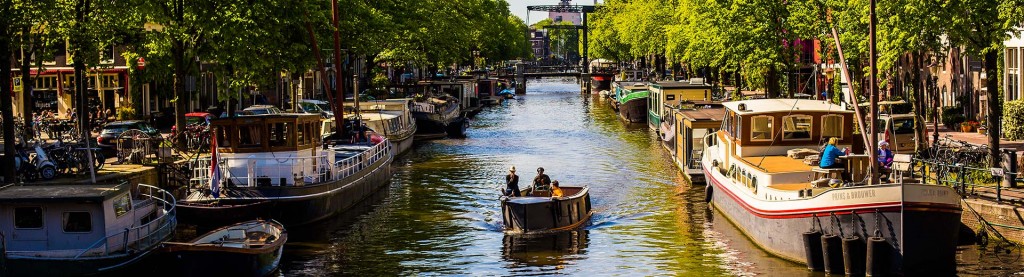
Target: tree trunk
[[772, 83], [178, 62], [915, 97], [995, 107], [27, 83], [5, 93]]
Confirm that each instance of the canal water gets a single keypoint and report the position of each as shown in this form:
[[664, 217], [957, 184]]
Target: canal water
[[441, 215]]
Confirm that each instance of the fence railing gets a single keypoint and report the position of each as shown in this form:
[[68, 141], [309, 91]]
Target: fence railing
[[291, 171], [963, 177]]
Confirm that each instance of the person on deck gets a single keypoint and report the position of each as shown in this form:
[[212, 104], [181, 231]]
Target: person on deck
[[830, 156], [884, 160], [556, 191], [512, 183], [542, 181]]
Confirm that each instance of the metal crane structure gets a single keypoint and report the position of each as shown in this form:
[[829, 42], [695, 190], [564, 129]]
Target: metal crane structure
[[582, 10]]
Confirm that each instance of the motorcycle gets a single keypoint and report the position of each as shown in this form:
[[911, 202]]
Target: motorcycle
[[37, 166]]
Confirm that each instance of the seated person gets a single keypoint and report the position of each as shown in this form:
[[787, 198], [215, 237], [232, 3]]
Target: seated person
[[884, 160], [542, 181], [830, 155], [555, 190]]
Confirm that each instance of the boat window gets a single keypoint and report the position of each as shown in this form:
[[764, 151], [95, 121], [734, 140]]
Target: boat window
[[28, 218], [280, 134], [309, 133], [77, 222], [796, 127], [250, 135], [300, 137], [122, 205], [223, 139], [739, 126], [832, 126], [761, 128]]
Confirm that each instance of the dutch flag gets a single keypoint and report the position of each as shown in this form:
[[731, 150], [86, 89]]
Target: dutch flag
[[214, 166]]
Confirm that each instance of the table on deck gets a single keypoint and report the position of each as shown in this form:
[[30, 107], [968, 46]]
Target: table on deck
[[857, 166]]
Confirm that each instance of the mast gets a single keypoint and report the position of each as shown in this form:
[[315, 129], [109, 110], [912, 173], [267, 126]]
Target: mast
[[872, 152], [339, 98]]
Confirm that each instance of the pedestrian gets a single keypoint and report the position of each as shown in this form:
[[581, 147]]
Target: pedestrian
[[542, 181], [512, 183]]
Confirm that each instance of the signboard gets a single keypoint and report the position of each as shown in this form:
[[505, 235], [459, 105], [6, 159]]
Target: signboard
[[17, 84], [997, 172]]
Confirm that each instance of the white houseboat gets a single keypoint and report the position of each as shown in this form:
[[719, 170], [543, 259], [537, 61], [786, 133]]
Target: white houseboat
[[770, 196], [390, 118], [68, 230]]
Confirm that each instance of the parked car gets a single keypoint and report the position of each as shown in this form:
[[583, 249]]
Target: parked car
[[263, 109], [107, 140], [237, 113], [315, 107]]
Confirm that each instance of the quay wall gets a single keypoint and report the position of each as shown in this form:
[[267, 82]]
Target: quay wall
[[994, 213]]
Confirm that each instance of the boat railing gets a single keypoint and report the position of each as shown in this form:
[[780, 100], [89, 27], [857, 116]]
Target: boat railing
[[290, 171], [139, 238]]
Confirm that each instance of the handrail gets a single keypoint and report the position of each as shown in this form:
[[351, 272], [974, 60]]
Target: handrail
[[167, 223]]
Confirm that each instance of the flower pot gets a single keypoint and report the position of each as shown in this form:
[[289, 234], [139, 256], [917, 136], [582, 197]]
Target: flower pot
[[965, 128], [981, 130]]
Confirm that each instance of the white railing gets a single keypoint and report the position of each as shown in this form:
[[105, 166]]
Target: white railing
[[143, 237], [290, 171]]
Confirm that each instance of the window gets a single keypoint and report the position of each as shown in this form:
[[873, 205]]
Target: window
[[832, 126], [301, 138], [250, 135], [77, 222], [106, 54], [761, 128], [122, 205], [796, 127], [28, 218], [223, 137], [280, 134], [902, 126]]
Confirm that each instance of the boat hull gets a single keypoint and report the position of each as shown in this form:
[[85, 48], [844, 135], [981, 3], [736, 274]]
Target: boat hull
[[403, 145], [292, 206], [634, 111], [201, 259], [535, 214], [69, 267], [601, 81], [929, 249]]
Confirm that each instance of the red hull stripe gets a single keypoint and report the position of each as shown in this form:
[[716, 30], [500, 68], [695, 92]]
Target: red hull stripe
[[826, 211]]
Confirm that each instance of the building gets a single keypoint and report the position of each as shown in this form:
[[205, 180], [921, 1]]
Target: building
[[575, 18], [540, 43], [53, 84]]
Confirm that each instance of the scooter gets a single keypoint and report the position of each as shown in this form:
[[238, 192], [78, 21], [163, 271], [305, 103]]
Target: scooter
[[38, 166]]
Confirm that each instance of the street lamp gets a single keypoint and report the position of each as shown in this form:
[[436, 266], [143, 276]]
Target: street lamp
[[934, 68]]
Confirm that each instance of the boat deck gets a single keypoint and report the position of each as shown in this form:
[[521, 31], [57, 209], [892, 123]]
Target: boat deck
[[777, 164], [789, 187]]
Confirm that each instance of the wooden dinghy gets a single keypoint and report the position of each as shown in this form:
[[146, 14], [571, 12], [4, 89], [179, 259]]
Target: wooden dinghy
[[538, 211], [251, 248]]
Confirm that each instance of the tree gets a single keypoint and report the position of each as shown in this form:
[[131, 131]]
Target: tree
[[979, 26]]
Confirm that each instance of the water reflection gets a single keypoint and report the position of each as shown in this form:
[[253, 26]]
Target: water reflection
[[544, 250]]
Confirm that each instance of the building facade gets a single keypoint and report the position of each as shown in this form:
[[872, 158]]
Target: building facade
[[53, 84]]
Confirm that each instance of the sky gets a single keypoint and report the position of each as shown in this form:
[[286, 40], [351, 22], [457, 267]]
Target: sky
[[518, 7]]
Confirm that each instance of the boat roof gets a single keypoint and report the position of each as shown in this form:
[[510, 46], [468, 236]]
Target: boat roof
[[783, 105], [60, 193], [678, 85], [373, 116]]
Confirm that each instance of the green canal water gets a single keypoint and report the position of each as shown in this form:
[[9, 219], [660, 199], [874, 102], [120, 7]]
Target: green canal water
[[441, 216]]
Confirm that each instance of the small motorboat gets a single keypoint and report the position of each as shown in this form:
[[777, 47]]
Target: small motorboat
[[538, 211], [251, 248], [507, 93]]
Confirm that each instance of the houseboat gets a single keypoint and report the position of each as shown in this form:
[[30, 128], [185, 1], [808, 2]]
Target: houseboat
[[781, 204], [487, 89], [693, 123], [667, 94], [633, 98], [439, 117], [390, 118], [275, 167], [251, 248], [464, 90], [538, 211], [70, 230]]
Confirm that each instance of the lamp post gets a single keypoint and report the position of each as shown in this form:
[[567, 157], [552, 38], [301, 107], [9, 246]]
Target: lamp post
[[934, 69], [829, 73]]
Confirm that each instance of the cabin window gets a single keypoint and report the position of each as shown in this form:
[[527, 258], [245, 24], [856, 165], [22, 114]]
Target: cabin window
[[796, 127], [250, 136], [280, 134], [223, 137], [28, 218], [301, 134], [77, 222], [832, 126], [761, 128], [739, 126], [122, 205]]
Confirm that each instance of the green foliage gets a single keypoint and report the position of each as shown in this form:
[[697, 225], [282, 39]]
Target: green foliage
[[952, 117], [1013, 119], [126, 113]]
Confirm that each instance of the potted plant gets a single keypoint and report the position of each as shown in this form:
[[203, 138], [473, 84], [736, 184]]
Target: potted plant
[[966, 126], [980, 127]]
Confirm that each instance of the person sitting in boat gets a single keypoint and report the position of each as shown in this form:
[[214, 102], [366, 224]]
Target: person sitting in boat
[[542, 181], [556, 191], [512, 183], [884, 160], [830, 155]]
